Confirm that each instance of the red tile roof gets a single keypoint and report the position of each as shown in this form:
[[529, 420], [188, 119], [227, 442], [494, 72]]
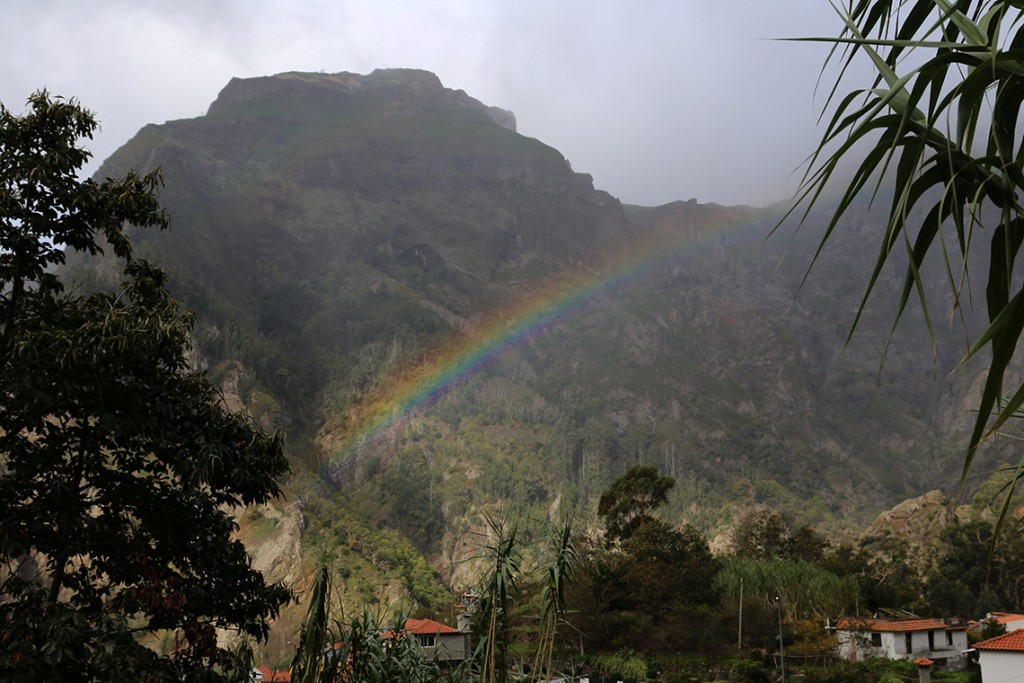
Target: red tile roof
[[427, 626], [894, 625], [1006, 617], [1008, 642]]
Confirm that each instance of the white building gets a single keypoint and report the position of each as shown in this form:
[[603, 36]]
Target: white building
[[1011, 621], [943, 641], [1002, 658]]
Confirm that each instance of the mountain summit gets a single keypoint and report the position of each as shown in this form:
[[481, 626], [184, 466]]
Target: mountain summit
[[413, 89]]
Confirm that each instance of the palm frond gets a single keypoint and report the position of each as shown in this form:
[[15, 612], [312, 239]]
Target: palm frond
[[918, 127]]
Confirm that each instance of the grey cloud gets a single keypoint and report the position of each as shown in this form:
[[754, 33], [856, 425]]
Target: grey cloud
[[658, 100]]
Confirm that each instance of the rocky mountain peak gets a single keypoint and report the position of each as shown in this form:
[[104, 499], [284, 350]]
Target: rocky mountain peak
[[403, 89]]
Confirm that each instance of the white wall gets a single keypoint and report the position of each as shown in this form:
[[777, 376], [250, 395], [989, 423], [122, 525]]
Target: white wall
[[1001, 667], [894, 645]]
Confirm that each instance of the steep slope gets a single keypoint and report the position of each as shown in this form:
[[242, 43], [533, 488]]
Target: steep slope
[[319, 216], [335, 231]]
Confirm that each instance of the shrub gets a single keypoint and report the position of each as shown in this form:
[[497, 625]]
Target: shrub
[[625, 664], [750, 671]]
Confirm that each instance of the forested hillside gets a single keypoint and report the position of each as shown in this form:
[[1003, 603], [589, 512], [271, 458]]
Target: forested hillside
[[343, 235]]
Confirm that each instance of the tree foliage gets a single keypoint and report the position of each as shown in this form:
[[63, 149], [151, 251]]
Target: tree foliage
[[978, 573], [118, 463], [802, 588], [940, 120], [668, 569], [885, 576], [627, 504], [763, 534]]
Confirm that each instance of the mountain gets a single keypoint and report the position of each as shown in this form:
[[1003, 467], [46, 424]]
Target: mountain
[[348, 239]]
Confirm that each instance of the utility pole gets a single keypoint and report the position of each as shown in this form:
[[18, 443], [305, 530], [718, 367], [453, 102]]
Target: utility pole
[[739, 639], [782, 650]]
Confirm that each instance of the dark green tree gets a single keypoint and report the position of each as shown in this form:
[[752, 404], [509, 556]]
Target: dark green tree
[[885, 573], [118, 463], [668, 569], [762, 534], [978, 572], [628, 503]]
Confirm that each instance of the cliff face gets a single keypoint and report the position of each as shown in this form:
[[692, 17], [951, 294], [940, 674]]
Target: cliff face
[[337, 232], [301, 202], [301, 175]]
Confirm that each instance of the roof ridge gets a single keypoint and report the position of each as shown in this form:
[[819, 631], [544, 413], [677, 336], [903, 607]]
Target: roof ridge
[[1014, 640]]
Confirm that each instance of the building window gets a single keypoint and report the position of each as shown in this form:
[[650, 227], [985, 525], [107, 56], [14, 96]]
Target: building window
[[876, 640], [949, 637], [426, 641], [908, 643], [931, 640]]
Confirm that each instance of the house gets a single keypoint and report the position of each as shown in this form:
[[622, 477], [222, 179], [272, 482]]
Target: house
[[438, 640], [1008, 620], [1012, 622], [943, 641], [1001, 658]]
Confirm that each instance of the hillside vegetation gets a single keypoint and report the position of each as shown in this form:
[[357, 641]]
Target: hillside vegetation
[[337, 233]]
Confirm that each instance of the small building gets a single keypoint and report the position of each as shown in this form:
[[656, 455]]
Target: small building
[[1002, 658], [1012, 622], [438, 640], [941, 640]]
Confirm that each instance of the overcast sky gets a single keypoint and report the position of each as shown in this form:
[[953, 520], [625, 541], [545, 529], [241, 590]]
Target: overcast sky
[[658, 99]]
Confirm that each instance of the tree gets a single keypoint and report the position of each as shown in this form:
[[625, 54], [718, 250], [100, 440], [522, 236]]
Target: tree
[[963, 582], [941, 120], [762, 534], [626, 505], [118, 463], [668, 569]]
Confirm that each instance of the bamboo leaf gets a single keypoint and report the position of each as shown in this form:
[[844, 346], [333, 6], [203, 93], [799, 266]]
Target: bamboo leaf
[[974, 35], [961, 91]]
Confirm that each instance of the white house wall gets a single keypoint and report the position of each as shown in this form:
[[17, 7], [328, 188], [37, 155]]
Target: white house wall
[[856, 646], [1001, 667]]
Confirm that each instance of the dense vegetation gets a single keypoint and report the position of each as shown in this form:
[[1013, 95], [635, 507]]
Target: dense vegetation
[[118, 462], [651, 601]]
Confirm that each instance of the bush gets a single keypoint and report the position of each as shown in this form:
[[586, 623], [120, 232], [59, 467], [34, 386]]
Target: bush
[[624, 664], [750, 671]]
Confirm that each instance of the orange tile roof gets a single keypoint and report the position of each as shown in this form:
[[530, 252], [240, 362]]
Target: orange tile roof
[[893, 625], [1006, 617], [1008, 642], [427, 626]]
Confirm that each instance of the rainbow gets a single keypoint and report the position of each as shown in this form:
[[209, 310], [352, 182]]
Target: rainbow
[[549, 304]]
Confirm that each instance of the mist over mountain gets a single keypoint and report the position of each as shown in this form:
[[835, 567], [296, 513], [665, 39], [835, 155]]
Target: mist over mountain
[[336, 232]]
